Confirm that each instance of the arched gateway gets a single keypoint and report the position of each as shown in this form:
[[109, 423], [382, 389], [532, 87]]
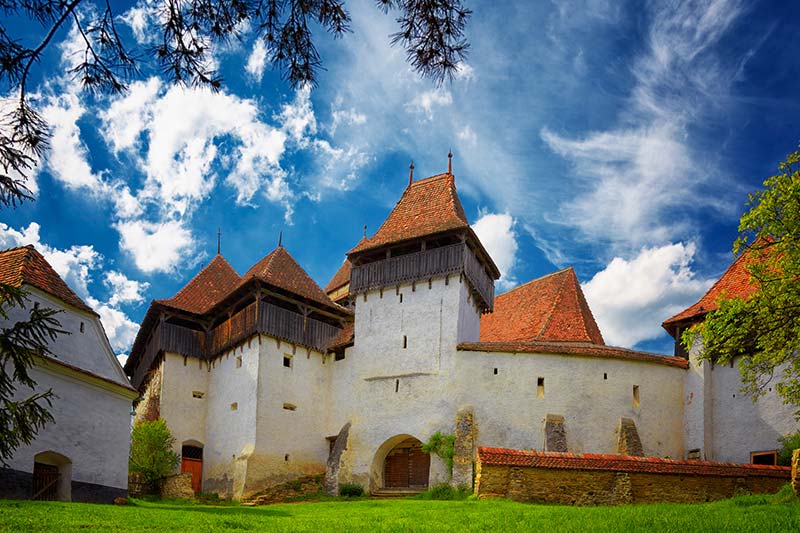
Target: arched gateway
[[400, 463]]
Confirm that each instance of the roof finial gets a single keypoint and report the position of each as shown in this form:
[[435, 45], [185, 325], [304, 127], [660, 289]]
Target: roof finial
[[280, 239], [365, 231], [449, 161], [219, 240], [410, 174]]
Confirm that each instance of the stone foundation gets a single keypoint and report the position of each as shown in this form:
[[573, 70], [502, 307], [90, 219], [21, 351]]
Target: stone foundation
[[177, 487], [614, 479]]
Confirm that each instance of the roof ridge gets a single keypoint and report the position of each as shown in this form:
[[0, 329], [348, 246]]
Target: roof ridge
[[540, 278], [186, 287], [431, 178]]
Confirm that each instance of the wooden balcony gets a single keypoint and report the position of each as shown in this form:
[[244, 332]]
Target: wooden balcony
[[425, 264], [264, 318]]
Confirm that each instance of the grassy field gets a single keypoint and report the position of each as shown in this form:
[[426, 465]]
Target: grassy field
[[746, 513]]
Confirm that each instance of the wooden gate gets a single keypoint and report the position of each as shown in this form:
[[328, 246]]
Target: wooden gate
[[45, 482], [407, 466], [192, 463]]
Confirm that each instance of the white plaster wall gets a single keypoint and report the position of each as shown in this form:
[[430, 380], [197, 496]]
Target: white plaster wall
[[92, 427], [697, 413], [185, 415], [88, 350]]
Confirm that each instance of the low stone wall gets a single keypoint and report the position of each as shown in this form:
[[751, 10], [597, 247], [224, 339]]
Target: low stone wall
[[795, 473], [589, 479], [178, 486]]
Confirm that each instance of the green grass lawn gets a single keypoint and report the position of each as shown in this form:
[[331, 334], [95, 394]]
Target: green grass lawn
[[746, 513]]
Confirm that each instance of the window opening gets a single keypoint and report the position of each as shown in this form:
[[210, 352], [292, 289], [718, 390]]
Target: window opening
[[540, 387], [636, 396], [197, 394], [287, 360], [234, 406]]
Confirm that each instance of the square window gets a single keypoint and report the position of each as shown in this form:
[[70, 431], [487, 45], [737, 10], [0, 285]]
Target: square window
[[234, 406], [287, 360]]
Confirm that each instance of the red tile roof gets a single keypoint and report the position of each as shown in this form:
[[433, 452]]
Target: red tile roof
[[427, 207], [573, 348], [734, 283], [25, 265], [550, 308], [341, 278], [344, 338], [279, 269], [624, 463], [212, 284]]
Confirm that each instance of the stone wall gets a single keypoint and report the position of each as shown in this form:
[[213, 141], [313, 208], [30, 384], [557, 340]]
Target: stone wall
[[178, 486], [795, 474], [610, 480]]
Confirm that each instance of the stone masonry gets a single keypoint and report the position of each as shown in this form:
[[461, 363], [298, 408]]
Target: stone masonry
[[629, 442], [464, 448]]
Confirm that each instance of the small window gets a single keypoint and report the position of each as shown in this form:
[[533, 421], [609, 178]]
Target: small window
[[36, 305], [338, 355], [693, 454], [81, 327], [239, 361], [405, 342], [540, 387], [764, 458], [234, 406], [605, 375], [401, 297], [396, 385], [636, 396], [198, 394], [495, 371], [289, 406], [287, 360], [286, 457]]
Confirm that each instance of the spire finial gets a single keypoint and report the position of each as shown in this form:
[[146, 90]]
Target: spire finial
[[410, 173], [449, 161], [365, 231], [280, 239], [219, 240]]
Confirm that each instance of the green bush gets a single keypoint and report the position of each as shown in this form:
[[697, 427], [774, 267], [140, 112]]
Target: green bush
[[443, 446], [445, 492], [350, 490], [789, 443], [151, 451]]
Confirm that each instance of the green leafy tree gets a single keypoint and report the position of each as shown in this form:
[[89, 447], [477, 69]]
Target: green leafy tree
[[443, 446], [763, 330], [151, 451], [21, 343]]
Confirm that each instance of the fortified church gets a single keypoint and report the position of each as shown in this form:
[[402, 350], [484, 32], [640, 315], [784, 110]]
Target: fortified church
[[266, 377]]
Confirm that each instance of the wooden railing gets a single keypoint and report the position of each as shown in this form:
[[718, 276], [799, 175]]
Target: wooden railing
[[265, 318], [452, 259]]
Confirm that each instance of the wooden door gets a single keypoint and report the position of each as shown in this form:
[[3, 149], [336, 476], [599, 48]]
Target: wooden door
[[45, 482], [395, 472], [419, 466], [407, 466], [194, 467]]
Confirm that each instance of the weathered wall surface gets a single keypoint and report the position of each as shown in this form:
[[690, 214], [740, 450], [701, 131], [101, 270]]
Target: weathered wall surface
[[723, 422], [184, 414]]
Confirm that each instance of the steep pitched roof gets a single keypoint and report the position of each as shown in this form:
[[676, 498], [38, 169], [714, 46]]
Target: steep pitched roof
[[341, 278], [25, 265], [550, 308], [280, 270], [734, 283], [206, 289], [427, 207]]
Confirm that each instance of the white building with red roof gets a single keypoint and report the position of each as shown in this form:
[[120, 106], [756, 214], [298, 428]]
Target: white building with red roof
[[266, 377], [83, 454]]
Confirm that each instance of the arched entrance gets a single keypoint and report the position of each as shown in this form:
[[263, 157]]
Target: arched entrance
[[400, 463], [52, 477], [192, 463]]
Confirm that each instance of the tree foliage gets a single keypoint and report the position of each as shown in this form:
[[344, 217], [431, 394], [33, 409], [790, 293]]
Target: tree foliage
[[20, 344], [763, 330], [443, 446], [431, 31], [151, 451]]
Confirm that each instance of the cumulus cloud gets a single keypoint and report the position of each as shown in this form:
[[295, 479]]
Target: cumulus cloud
[[631, 297], [79, 266], [155, 246], [426, 102], [257, 60], [496, 232]]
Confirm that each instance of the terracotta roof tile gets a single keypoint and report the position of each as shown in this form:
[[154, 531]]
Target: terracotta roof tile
[[25, 265], [341, 278], [344, 338], [625, 463], [280, 270], [573, 348], [212, 284], [427, 207], [550, 308], [734, 283]]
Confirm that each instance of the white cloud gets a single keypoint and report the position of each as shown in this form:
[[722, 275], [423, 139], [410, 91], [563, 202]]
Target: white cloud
[[155, 246], [467, 135], [79, 266], [347, 117], [631, 297], [140, 19], [427, 101], [297, 118], [257, 60], [496, 232]]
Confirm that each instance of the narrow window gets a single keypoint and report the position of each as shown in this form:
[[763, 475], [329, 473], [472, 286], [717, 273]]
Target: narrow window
[[636, 396], [36, 305], [396, 385], [540, 388], [287, 360], [81, 327], [405, 342], [605, 375], [495, 371], [286, 457], [239, 362], [197, 394], [289, 406], [234, 406], [401, 297]]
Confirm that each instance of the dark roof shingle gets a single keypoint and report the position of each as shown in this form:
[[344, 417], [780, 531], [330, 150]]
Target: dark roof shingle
[[26, 265], [209, 286]]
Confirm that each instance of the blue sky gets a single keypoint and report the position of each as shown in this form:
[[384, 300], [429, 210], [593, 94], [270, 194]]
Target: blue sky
[[621, 138]]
